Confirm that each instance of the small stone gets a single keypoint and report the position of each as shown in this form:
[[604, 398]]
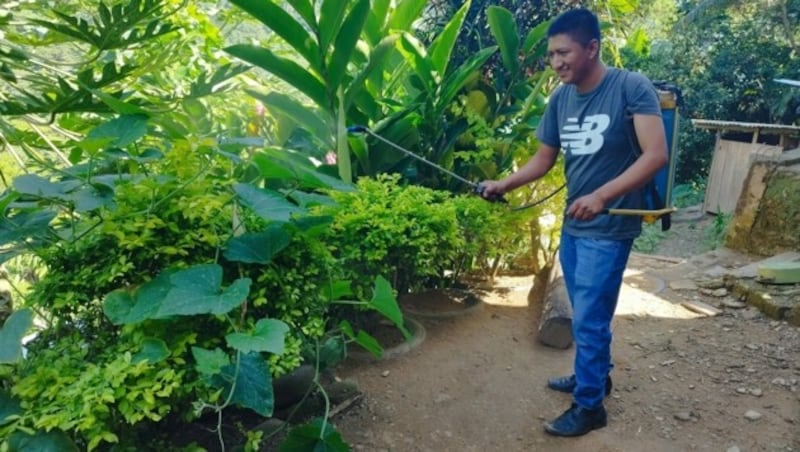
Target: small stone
[[779, 382], [683, 416], [741, 390], [733, 448], [733, 304], [757, 392], [654, 378], [691, 386], [668, 362], [752, 415], [719, 293], [385, 373]]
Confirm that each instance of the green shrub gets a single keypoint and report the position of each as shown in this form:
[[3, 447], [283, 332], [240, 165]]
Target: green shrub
[[408, 234]]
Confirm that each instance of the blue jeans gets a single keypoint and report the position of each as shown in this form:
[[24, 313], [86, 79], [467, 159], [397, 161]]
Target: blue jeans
[[593, 271]]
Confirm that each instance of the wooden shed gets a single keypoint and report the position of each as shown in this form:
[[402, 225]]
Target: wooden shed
[[732, 158]]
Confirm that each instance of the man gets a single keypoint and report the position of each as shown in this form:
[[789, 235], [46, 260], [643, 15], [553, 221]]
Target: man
[[586, 119]]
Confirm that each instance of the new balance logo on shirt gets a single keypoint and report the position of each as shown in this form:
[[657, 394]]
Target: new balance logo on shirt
[[585, 138]]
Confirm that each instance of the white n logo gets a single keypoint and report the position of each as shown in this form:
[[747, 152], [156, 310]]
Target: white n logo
[[586, 138]]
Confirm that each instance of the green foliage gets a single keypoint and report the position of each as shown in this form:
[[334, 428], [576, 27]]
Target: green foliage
[[407, 233], [648, 241], [690, 194], [725, 57], [317, 435], [11, 335], [715, 232]]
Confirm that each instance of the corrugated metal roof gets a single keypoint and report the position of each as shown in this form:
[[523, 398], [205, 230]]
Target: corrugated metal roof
[[775, 129]]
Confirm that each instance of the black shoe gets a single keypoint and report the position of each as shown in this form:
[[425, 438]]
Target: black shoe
[[577, 421], [567, 384]]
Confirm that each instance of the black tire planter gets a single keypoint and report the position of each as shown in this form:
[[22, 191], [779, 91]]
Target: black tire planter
[[418, 334]]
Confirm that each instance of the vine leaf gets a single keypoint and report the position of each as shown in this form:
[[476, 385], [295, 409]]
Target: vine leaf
[[210, 362], [253, 387], [317, 435], [11, 335], [258, 247], [267, 336], [192, 291], [383, 301]]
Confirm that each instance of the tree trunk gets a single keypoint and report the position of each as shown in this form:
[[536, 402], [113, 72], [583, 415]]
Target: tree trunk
[[555, 325]]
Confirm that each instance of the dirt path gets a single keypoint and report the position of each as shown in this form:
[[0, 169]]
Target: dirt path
[[681, 381]]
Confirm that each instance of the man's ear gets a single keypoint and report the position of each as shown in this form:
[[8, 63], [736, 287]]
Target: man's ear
[[594, 48]]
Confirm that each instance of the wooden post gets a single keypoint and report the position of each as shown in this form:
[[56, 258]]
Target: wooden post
[[555, 325]]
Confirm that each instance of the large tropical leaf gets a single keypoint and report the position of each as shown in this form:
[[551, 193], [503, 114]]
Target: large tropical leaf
[[346, 41], [405, 13], [376, 57], [285, 69], [442, 46], [419, 62], [331, 14], [504, 30], [284, 25], [314, 121], [455, 81]]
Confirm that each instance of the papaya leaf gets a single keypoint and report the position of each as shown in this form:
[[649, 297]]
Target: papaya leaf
[[253, 384], [25, 225], [267, 204], [11, 335], [383, 301], [504, 30], [317, 436], [120, 106], [258, 247], [267, 336], [122, 131], [283, 68], [210, 362]]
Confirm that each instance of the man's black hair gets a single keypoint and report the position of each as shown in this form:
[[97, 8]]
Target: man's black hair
[[580, 24]]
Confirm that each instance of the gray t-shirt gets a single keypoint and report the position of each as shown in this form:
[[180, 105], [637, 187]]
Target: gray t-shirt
[[590, 130]]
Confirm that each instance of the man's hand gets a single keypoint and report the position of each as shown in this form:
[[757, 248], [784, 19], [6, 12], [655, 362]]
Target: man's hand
[[492, 189], [586, 207]]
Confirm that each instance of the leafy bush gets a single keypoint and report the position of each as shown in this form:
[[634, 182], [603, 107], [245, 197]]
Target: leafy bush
[[408, 233]]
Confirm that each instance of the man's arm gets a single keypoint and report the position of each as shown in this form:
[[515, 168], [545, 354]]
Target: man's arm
[[536, 167], [652, 140]]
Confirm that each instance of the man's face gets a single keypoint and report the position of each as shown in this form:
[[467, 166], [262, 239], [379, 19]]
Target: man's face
[[569, 58]]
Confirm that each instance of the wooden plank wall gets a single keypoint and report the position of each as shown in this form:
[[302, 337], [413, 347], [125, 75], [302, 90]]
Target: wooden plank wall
[[729, 167]]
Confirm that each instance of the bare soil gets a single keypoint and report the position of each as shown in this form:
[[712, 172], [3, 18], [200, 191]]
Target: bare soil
[[681, 381]]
